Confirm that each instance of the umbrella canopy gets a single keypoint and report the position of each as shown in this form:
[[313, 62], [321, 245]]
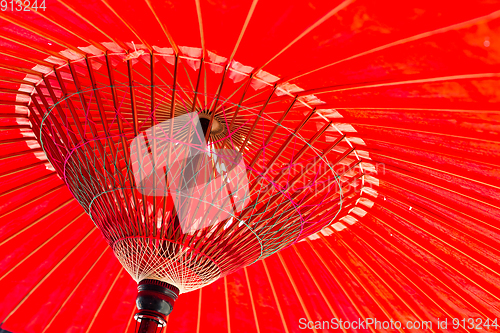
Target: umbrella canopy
[[408, 92]]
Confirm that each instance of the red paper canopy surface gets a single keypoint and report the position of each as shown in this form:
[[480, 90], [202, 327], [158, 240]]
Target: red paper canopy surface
[[414, 87]]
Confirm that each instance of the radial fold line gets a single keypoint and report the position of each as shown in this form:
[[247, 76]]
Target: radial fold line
[[245, 25], [47, 276], [164, 28], [488, 17], [75, 289]]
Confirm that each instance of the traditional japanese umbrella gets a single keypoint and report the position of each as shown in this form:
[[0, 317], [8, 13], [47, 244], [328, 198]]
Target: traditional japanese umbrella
[[375, 124]]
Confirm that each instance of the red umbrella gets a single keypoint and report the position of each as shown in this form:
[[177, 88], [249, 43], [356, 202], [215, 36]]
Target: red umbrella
[[412, 88]]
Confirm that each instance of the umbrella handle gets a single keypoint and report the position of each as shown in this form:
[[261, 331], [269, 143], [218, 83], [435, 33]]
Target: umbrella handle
[[155, 300]]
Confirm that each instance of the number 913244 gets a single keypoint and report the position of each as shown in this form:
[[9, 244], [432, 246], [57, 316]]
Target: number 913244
[[22, 5]]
